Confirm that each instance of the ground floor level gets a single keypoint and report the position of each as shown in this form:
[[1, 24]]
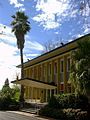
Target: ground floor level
[[40, 92]]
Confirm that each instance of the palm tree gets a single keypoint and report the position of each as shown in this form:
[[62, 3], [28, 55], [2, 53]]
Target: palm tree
[[80, 69], [20, 27]]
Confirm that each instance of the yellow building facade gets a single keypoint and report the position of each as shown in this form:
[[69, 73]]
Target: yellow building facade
[[49, 73]]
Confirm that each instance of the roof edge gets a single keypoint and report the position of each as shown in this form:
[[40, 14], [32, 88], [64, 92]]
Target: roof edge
[[56, 48]]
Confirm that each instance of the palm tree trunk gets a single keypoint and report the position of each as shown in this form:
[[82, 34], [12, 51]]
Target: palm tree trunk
[[22, 77], [22, 67]]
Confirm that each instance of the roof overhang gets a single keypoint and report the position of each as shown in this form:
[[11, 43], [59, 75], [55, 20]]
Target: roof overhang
[[34, 83]]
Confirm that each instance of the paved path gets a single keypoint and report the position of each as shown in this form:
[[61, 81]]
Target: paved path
[[16, 115]]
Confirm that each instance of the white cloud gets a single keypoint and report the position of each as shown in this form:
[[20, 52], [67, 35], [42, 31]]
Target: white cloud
[[51, 12], [32, 55], [6, 34], [7, 62], [17, 4], [33, 45], [9, 53]]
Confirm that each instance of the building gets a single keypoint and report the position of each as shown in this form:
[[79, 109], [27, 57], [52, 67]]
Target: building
[[49, 73]]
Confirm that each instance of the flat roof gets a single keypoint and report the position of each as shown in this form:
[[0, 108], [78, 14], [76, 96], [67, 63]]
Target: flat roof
[[87, 35], [35, 83]]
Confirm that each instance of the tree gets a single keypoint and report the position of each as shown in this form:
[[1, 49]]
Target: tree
[[15, 92], [52, 44], [20, 27], [6, 90], [5, 95], [9, 96], [80, 69]]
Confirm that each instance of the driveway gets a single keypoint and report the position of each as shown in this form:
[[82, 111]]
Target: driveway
[[15, 115]]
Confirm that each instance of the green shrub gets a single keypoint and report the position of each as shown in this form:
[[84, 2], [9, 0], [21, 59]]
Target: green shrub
[[81, 101], [4, 102], [72, 101], [82, 115], [64, 114], [53, 102], [14, 105], [75, 114], [66, 107], [52, 112]]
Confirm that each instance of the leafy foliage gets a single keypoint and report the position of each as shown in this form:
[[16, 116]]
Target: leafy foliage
[[75, 114], [53, 113], [8, 97], [66, 107], [72, 101], [80, 74], [20, 27]]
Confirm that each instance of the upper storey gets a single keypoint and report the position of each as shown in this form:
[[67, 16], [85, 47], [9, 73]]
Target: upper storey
[[56, 52]]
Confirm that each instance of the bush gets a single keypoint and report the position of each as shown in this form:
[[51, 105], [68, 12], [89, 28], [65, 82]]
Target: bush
[[53, 102], [72, 101], [67, 107], [64, 114], [81, 101], [14, 105], [53, 113], [4, 102], [75, 114]]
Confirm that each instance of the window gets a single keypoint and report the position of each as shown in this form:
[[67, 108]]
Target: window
[[61, 71], [40, 72], [35, 72], [49, 72], [68, 64], [32, 72], [68, 67], [27, 73], [61, 66], [61, 88], [24, 73], [55, 73], [55, 68], [50, 69], [44, 72], [69, 88]]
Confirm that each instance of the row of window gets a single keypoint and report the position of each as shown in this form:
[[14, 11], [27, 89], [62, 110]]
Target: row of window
[[41, 71]]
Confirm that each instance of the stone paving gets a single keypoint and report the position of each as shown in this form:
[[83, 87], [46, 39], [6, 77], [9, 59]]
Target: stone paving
[[31, 115]]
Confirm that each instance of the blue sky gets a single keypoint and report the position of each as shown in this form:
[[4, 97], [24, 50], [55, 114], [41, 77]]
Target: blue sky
[[50, 20]]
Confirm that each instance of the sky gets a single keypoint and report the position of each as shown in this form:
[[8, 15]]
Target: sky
[[49, 20]]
